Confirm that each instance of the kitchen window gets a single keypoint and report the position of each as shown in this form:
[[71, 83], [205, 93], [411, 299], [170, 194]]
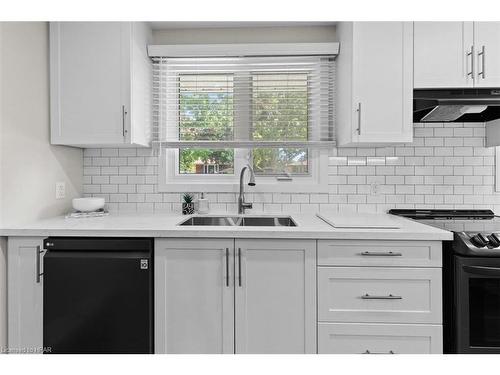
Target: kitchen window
[[215, 115]]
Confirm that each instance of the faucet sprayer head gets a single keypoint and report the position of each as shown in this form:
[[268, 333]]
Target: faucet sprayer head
[[252, 176]]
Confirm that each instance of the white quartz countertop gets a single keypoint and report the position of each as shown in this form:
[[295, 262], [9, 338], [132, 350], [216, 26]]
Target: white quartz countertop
[[166, 225]]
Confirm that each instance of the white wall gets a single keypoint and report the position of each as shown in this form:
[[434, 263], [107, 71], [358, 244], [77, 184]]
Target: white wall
[[29, 165], [293, 34]]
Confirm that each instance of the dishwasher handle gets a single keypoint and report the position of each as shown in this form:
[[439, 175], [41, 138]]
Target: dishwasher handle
[[98, 244], [39, 273]]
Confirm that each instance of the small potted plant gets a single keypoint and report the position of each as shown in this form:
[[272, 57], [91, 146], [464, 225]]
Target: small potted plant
[[187, 204]]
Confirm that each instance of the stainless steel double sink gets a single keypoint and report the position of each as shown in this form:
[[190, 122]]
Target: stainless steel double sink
[[240, 221]]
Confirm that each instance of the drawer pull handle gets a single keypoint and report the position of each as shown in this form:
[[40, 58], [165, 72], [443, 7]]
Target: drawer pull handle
[[390, 296], [369, 352], [381, 254]]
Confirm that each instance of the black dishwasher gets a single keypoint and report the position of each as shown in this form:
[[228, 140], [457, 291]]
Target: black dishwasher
[[98, 295]]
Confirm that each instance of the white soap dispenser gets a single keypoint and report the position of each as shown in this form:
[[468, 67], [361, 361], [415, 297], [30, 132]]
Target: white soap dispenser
[[203, 204]]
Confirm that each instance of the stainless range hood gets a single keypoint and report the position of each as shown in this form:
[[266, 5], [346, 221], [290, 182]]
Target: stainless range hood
[[456, 105]]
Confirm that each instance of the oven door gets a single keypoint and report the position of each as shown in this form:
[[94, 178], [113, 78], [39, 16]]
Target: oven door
[[477, 304]]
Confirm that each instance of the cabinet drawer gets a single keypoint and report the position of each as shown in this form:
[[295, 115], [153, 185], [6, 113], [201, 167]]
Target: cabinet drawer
[[379, 253], [377, 294], [354, 338]]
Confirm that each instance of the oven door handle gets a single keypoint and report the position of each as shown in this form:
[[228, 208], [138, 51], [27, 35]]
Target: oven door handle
[[485, 271]]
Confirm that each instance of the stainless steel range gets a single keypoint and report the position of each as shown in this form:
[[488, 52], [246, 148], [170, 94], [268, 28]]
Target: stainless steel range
[[471, 278]]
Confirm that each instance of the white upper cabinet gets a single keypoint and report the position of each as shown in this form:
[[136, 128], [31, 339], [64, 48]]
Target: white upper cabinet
[[487, 46], [100, 84], [374, 83], [457, 54], [443, 54]]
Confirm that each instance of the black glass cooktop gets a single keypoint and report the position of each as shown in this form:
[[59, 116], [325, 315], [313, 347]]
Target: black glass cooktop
[[424, 214]]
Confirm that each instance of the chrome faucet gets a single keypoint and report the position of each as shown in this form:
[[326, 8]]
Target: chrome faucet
[[242, 205]]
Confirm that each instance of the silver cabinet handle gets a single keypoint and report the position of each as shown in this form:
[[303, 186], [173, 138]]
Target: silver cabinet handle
[[359, 118], [381, 254], [239, 267], [227, 266], [39, 253], [370, 352], [482, 54], [390, 296], [124, 114], [471, 54]]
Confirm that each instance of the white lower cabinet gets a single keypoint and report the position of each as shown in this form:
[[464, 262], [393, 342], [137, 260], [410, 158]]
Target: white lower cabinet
[[194, 296], [235, 296], [379, 297], [379, 294], [25, 294], [359, 338], [267, 296], [275, 299]]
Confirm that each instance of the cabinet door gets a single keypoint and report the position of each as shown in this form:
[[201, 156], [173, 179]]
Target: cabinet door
[[90, 79], [382, 82], [25, 294], [194, 301], [487, 47], [443, 54], [275, 296]]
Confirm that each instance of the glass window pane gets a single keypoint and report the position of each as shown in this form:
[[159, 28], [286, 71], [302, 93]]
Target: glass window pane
[[280, 106], [276, 161], [206, 107], [206, 161]]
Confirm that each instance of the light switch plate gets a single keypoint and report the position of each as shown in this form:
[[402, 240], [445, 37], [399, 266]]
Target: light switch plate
[[60, 190]]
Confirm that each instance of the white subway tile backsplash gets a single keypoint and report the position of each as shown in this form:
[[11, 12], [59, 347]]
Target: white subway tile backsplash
[[446, 166], [127, 170], [114, 161], [282, 198], [300, 198], [148, 189], [89, 152], [127, 152], [109, 171], [126, 188], [96, 180], [109, 152], [109, 189], [118, 179], [136, 179]]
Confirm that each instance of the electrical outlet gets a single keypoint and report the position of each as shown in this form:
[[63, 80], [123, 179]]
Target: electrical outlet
[[60, 190], [374, 189]]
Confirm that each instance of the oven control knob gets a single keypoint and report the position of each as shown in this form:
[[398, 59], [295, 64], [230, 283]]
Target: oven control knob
[[494, 240], [479, 240]]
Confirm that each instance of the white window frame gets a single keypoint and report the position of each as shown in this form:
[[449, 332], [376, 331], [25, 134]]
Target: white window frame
[[169, 180]]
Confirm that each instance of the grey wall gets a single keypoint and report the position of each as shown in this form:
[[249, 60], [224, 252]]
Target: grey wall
[[293, 34]]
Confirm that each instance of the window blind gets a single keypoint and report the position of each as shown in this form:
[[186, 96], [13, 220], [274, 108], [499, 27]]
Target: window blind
[[243, 102]]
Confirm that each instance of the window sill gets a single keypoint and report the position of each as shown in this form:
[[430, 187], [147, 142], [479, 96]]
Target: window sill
[[282, 187]]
